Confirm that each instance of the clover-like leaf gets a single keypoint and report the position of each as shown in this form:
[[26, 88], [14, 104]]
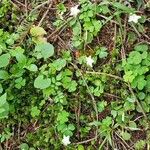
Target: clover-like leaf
[[102, 52], [35, 111], [134, 58], [139, 82], [141, 47], [63, 117], [129, 76]]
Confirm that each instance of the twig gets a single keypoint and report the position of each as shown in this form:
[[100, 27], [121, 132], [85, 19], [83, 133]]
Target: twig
[[143, 41], [17, 2], [106, 74], [86, 141], [114, 38], [64, 44], [19, 126], [92, 97], [124, 37], [26, 7], [138, 118], [100, 147], [148, 146], [45, 14], [39, 6], [123, 145], [15, 5], [111, 95], [107, 19], [137, 32], [59, 28], [123, 140]]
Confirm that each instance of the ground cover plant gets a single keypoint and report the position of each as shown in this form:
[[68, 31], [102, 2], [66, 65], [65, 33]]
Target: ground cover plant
[[74, 75]]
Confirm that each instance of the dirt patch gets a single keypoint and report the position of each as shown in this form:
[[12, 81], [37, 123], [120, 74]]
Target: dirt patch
[[103, 114], [138, 135], [106, 36]]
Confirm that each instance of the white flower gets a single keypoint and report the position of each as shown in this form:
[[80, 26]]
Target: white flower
[[74, 11], [134, 18], [65, 140], [89, 61]]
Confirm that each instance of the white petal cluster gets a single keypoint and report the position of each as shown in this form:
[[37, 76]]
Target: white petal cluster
[[74, 11], [66, 140], [134, 18], [89, 61]]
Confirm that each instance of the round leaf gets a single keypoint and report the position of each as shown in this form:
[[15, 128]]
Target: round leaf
[[32, 67], [42, 83], [4, 60], [37, 31], [3, 74], [46, 49]]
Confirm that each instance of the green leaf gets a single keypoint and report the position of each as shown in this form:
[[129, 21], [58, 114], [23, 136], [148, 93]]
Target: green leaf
[[20, 82], [102, 52], [132, 126], [145, 106], [128, 106], [131, 99], [107, 121], [35, 111], [2, 99], [4, 60], [114, 113], [81, 147], [72, 86], [37, 31], [17, 51], [123, 7], [45, 50], [139, 82], [4, 74], [24, 146], [1, 88], [148, 83], [129, 76], [63, 117], [22, 60], [71, 127], [97, 26], [134, 58], [77, 29], [41, 82], [58, 64], [141, 95], [4, 107], [141, 47], [140, 144], [31, 148], [101, 106], [32, 67], [125, 135], [61, 127]]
